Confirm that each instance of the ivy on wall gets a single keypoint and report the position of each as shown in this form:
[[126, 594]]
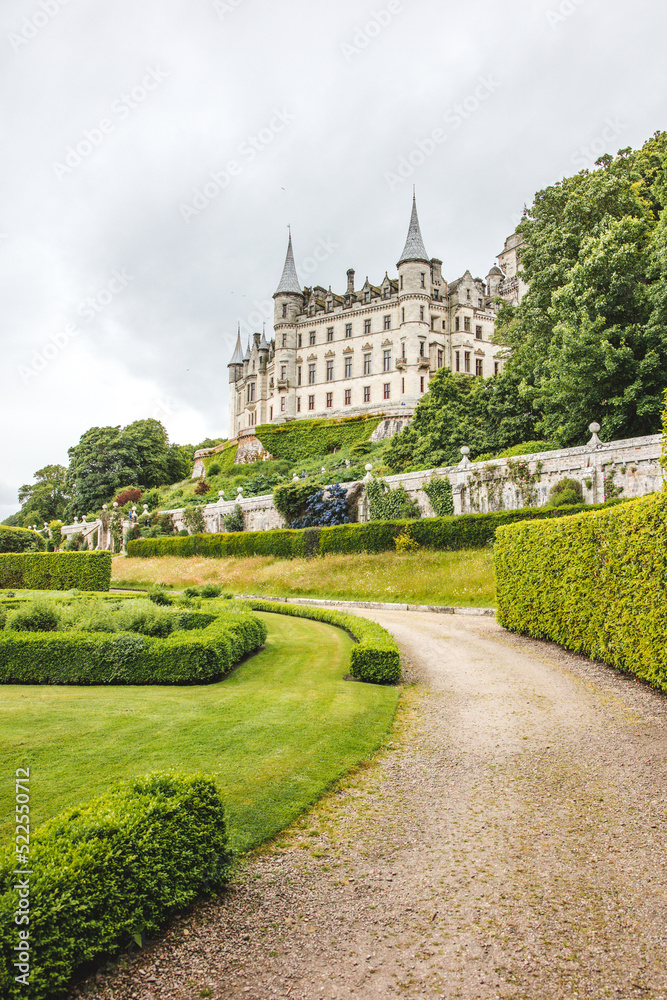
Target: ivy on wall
[[301, 439], [385, 504], [440, 495]]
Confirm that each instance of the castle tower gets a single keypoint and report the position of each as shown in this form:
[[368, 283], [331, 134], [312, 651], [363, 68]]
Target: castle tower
[[288, 299], [414, 298], [235, 373]]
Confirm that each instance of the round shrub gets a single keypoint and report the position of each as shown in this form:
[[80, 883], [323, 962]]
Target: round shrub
[[38, 616], [210, 590], [214, 469], [157, 595]]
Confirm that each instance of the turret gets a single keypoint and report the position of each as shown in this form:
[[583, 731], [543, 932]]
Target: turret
[[288, 299], [288, 296], [414, 297], [236, 364]]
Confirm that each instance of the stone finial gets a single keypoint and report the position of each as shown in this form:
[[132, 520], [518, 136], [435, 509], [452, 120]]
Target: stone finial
[[295, 477], [239, 490], [221, 494], [595, 441], [368, 468], [465, 461]]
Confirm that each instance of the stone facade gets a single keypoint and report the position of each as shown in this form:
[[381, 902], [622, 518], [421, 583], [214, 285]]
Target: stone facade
[[366, 350]]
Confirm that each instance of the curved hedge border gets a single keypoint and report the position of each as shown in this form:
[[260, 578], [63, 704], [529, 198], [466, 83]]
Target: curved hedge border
[[199, 656], [464, 531], [374, 657], [594, 583], [20, 540], [107, 871], [55, 570]]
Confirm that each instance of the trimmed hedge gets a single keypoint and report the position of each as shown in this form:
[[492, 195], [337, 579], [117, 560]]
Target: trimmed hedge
[[110, 871], [56, 571], [20, 540], [594, 583], [198, 656], [464, 531], [374, 657]]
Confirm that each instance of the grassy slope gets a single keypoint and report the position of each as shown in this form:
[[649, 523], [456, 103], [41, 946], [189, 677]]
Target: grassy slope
[[274, 734], [464, 578]]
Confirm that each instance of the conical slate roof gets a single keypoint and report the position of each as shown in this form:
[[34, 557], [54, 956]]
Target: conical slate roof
[[289, 283], [414, 248], [246, 356], [263, 346], [237, 356]]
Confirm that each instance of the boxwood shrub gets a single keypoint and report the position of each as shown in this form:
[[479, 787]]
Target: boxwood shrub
[[374, 657], [55, 570], [594, 583], [464, 531], [109, 871], [194, 656], [20, 540]]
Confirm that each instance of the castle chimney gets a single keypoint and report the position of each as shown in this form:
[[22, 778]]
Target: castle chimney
[[350, 280]]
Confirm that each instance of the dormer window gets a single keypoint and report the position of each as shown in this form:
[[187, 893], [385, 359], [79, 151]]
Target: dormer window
[[468, 294], [387, 291], [329, 306], [367, 296], [312, 309]]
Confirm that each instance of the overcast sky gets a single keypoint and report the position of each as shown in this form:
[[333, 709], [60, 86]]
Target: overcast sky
[[154, 152]]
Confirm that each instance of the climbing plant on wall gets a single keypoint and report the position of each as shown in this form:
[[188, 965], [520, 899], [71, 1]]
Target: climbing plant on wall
[[385, 504]]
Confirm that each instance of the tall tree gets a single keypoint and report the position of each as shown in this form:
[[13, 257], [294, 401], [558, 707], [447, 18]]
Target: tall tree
[[45, 499]]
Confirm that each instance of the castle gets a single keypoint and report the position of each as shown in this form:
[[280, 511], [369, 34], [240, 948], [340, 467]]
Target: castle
[[370, 350]]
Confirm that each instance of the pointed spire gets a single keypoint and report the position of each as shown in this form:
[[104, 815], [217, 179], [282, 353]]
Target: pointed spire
[[263, 346], [289, 283], [246, 356], [414, 248], [237, 356]]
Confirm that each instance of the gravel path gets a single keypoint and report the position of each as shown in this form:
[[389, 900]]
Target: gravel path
[[508, 842]]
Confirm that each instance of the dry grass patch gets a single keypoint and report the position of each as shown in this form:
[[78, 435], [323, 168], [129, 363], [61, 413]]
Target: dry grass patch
[[464, 578]]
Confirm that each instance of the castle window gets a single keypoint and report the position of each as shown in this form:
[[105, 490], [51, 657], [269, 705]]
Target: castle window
[[330, 371], [348, 330], [312, 310], [298, 375], [421, 383], [348, 367], [457, 355], [284, 310], [329, 333], [367, 326], [421, 348], [367, 296], [386, 361], [367, 394], [311, 402], [387, 390], [387, 322], [421, 312], [441, 358], [329, 306], [401, 282], [284, 340], [367, 364], [478, 332], [298, 404], [348, 397], [283, 372], [329, 400], [282, 403], [479, 302], [468, 294], [466, 323], [311, 374], [387, 292], [433, 322], [251, 392], [496, 367], [443, 325], [311, 336], [466, 356], [457, 323], [478, 366], [436, 293], [300, 340], [423, 276], [402, 385], [270, 413]]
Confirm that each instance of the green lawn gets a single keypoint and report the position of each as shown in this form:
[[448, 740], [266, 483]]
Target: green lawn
[[274, 734], [464, 578]]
